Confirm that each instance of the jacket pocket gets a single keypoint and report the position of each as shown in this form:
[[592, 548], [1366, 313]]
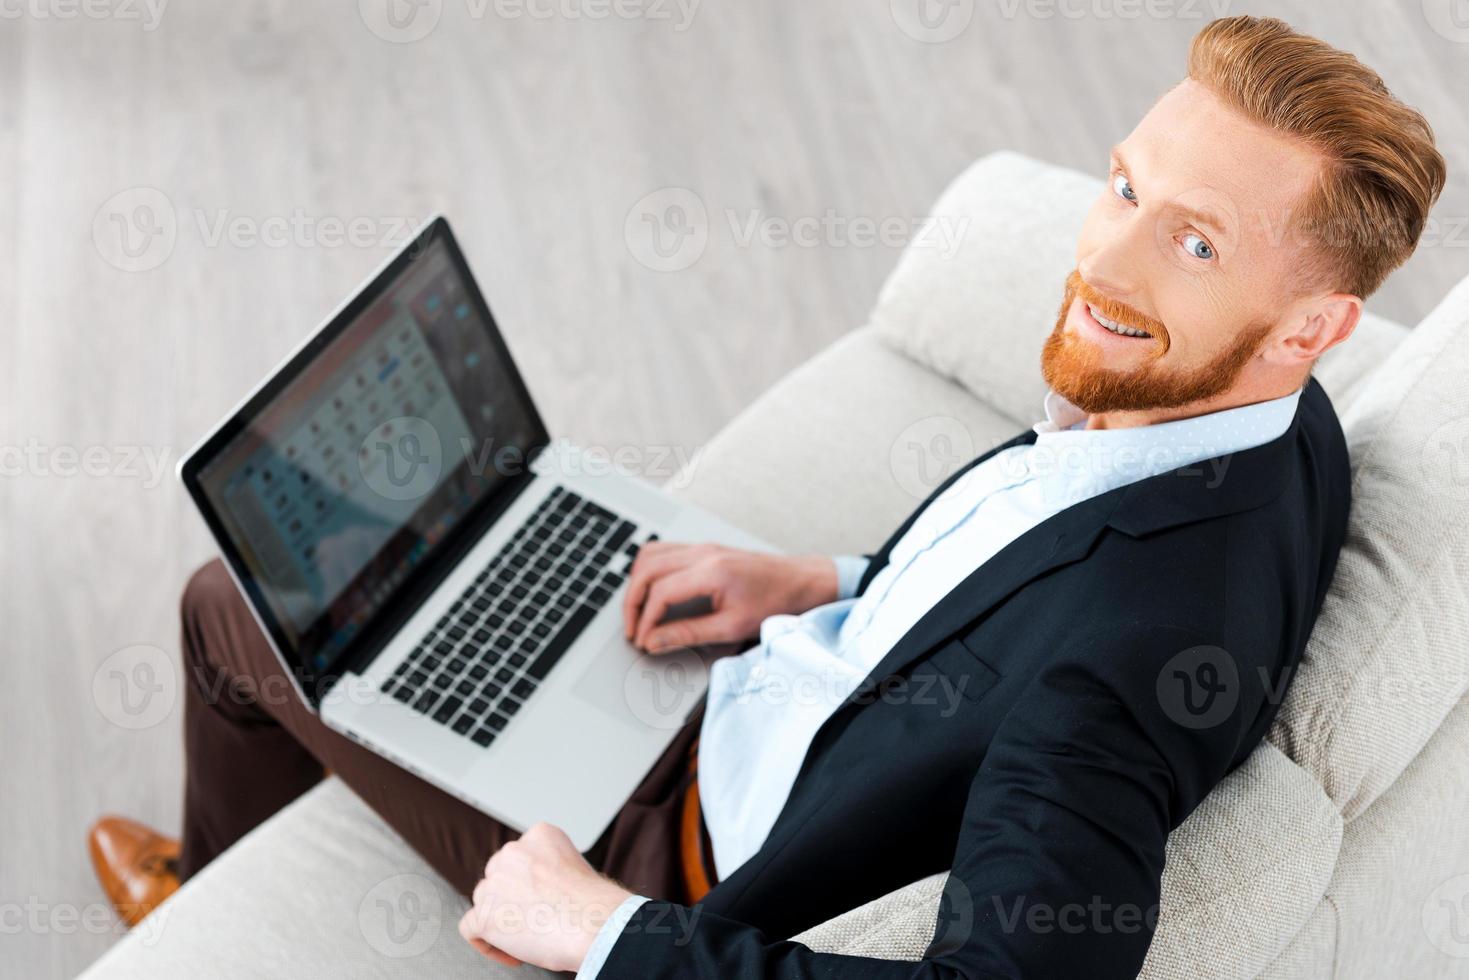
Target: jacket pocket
[[963, 670]]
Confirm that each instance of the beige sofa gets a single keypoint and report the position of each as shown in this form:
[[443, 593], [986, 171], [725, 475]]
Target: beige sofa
[[1340, 849]]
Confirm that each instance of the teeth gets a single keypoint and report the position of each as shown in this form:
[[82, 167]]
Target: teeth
[[1114, 326]]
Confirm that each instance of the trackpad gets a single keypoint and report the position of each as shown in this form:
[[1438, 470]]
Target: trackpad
[[656, 692]]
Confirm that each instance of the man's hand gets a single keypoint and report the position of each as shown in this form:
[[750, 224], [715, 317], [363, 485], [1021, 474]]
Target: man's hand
[[743, 587], [540, 902]]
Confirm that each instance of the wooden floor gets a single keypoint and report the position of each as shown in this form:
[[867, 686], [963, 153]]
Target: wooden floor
[[541, 138]]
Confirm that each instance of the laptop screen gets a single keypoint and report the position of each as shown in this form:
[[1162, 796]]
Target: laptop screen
[[340, 479]]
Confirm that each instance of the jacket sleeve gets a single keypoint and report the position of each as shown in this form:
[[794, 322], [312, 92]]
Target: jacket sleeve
[[1057, 867]]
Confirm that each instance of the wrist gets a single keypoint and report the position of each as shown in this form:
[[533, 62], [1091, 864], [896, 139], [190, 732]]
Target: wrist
[[609, 898], [817, 578]]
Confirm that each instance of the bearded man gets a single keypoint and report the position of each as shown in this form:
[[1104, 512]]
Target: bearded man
[[1175, 515]]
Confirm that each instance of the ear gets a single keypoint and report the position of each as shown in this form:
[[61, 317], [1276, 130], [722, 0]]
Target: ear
[[1319, 325]]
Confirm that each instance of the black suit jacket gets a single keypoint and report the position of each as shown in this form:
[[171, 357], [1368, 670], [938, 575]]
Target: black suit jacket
[[1041, 730]]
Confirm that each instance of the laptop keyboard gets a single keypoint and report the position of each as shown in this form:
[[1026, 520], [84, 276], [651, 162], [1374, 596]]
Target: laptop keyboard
[[501, 637]]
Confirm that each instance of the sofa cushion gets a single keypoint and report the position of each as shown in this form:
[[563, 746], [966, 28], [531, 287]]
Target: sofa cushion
[[323, 889], [1400, 892], [1236, 889], [838, 452], [1388, 658], [981, 312]]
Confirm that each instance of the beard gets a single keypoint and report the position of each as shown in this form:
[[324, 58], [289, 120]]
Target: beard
[[1073, 366]]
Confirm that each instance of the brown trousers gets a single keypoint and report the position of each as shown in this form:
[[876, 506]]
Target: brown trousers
[[251, 747]]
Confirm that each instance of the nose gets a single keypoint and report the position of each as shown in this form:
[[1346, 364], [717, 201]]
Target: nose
[[1110, 261], [1101, 272]]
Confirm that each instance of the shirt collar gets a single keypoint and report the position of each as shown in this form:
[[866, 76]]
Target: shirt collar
[[1112, 456]]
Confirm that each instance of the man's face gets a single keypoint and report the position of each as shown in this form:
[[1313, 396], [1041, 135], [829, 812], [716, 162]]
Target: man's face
[[1187, 244]]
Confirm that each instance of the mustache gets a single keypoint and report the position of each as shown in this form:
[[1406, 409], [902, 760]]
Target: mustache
[[1113, 310]]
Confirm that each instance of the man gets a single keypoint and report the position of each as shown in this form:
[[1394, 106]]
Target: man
[[1036, 678]]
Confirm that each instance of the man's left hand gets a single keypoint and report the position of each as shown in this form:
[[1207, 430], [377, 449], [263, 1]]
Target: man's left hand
[[540, 902]]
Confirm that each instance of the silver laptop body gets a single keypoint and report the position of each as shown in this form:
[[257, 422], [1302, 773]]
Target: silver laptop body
[[443, 583]]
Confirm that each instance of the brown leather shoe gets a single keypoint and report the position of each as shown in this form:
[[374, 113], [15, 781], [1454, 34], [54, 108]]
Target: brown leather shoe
[[138, 867]]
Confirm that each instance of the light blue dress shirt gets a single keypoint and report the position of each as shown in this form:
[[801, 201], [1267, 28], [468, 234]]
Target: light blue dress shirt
[[766, 705]]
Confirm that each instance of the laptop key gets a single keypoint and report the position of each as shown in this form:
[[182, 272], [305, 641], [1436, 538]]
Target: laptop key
[[577, 622], [483, 737], [623, 532], [509, 706], [497, 722], [425, 701], [523, 688], [448, 709], [463, 724], [404, 694]]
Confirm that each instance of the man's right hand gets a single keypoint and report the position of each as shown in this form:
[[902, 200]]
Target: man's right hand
[[742, 587]]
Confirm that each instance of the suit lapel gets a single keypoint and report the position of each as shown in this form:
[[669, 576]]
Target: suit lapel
[[1060, 540], [880, 557]]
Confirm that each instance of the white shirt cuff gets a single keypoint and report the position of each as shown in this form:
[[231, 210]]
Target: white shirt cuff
[[850, 569], [607, 937]]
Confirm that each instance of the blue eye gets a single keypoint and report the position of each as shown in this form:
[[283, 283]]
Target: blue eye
[[1197, 247], [1123, 189]]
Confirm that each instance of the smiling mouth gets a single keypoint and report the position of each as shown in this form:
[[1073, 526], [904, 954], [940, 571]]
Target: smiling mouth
[[1120, 329]]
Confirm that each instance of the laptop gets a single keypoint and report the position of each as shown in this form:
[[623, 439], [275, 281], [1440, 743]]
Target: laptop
[[441, 582]]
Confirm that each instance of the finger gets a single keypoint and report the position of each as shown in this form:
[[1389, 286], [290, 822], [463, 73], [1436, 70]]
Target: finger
[[647, 567], [469, 924], [676, 587], [481, 892], [718, 627], [498, 955]]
